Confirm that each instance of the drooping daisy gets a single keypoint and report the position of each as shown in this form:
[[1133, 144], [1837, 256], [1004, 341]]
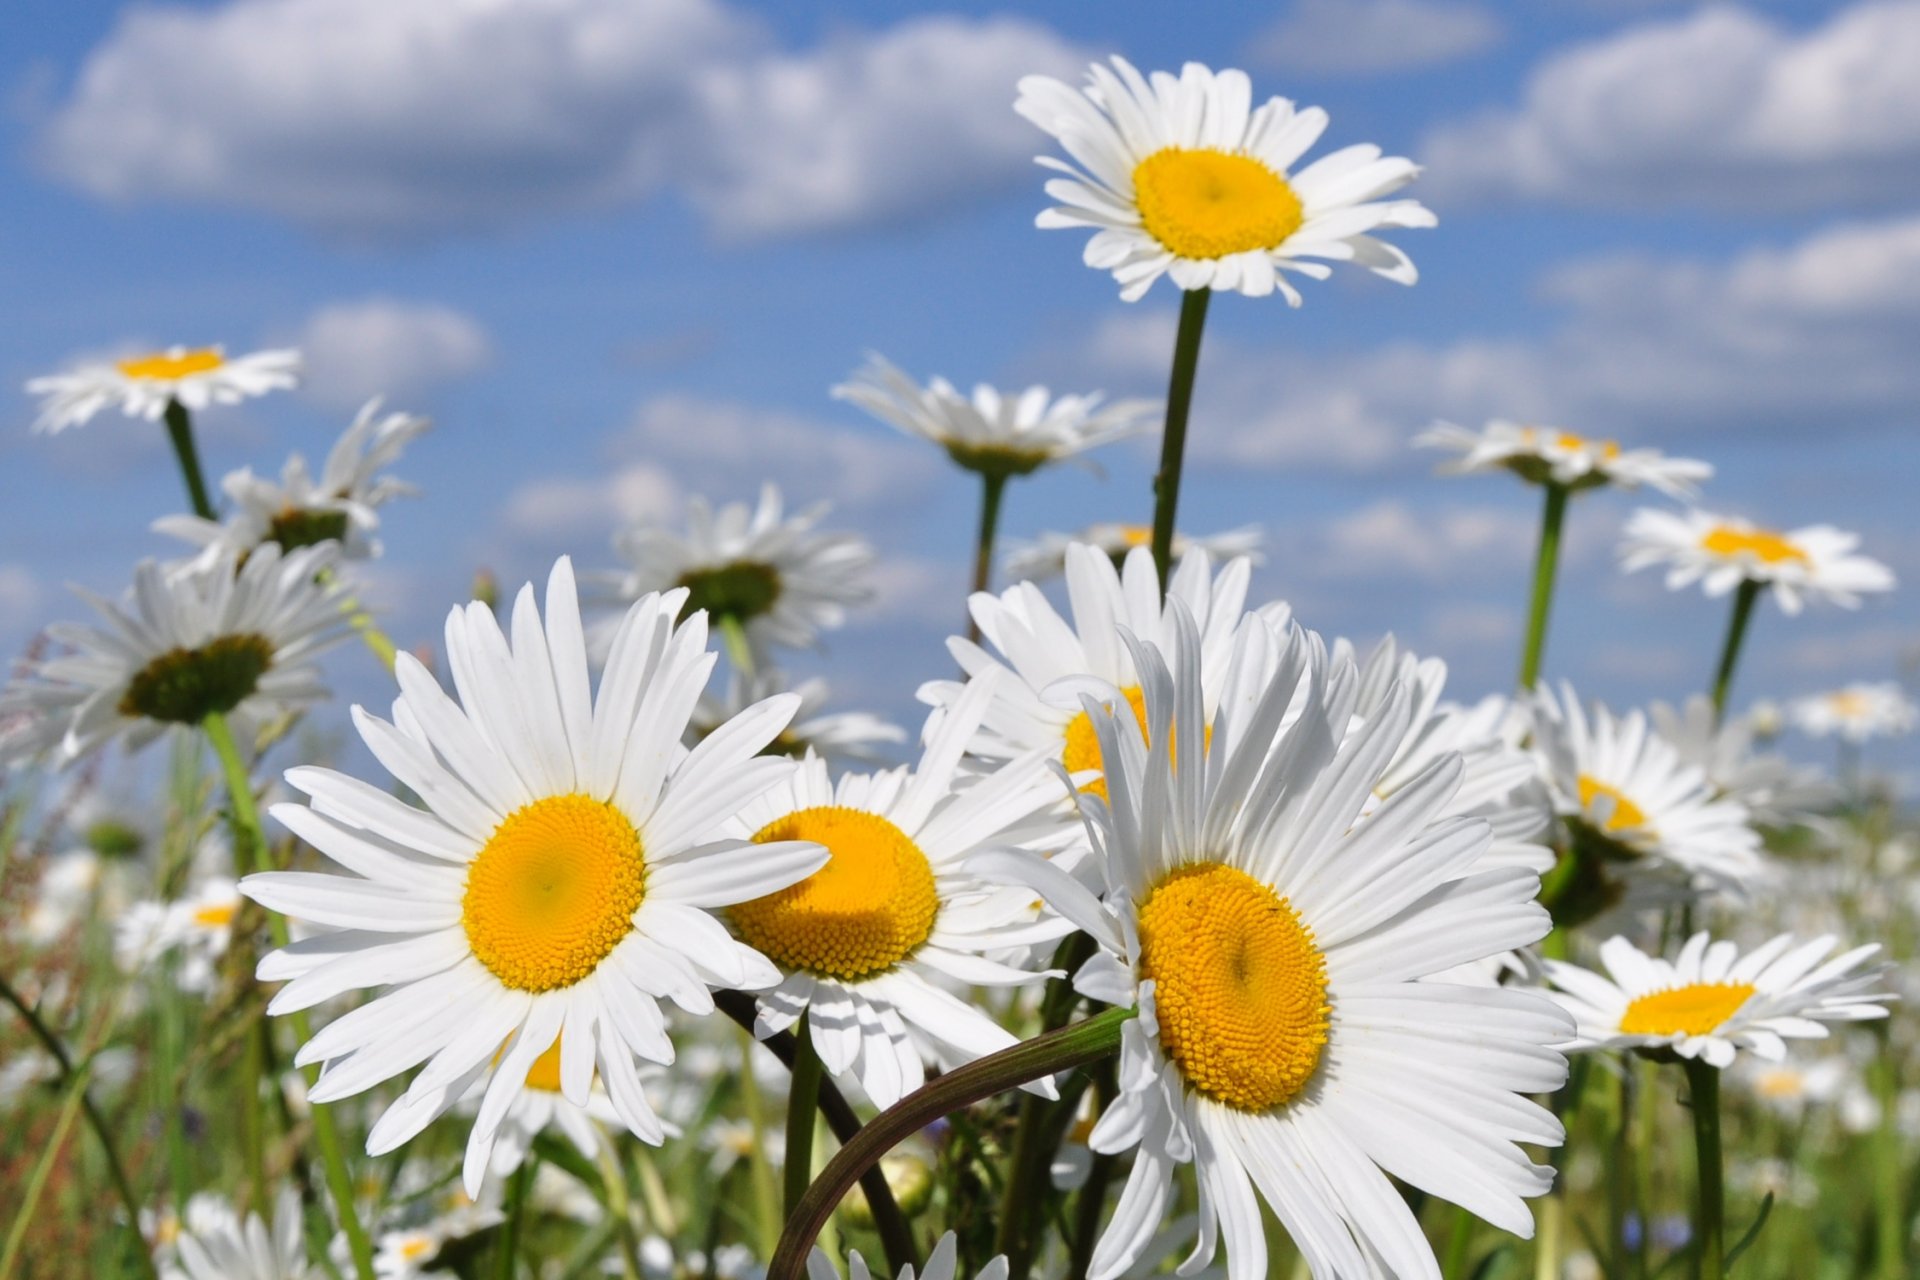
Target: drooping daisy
[[1709, 1002], [1542, 454], [941, 1265], [1626, 790], [867, 943], [1856, 713], [1186, 177], [778, 577], [1277, 949], [1721, 552], [218, 1244], [142, 386], [341, 506], [1046, 556], [187, 641], [839, 737], [556, 883], [992, 433], [1775, 790]]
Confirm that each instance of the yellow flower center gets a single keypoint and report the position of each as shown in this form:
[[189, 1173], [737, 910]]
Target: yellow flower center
[[1625, 813], [545, 1071], [1082, 750], [162, 366], [1847, 704], [1239, 986], [1692, 1010], [1780, 1083], [868, 909], [416, 1248], [215, 917], [1209, 204], [553, 892], [1135, 535], [1760, 544]]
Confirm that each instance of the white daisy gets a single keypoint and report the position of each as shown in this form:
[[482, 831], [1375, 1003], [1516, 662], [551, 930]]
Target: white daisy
[[186, 642], [1541, 454], [1775, 790], [199, 926], [1856, 713], [840, 737], [1792, 1088], [542, 1106], [341, 506], [869, 943], [1710, 1001], [989, 432], [1186, 177], [1627, 790], [941, 1265], [556, 883], [142, 386], [1721, 552], [777, 576], [1279, 949], [1046, 556], [217, 1244]]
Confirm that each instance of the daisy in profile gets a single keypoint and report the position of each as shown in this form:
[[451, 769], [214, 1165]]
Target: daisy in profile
[[941, 1265], [1626, 791], [1855, 713], [1552, 455], [187, 641], [142, 386], [1277, 949], [775, 577], [839, 737], [1722, 552], [1046, 556], [1710, 1002], [218, 1244], [1776, 791], [299, 510], [555, 882], [867, 944], [1185, 177]]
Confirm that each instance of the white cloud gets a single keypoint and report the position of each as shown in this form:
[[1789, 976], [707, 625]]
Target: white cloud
[[1390, 539], [382, 346], [561, 509], [1366, 37], [1720, 108], [388, 118]]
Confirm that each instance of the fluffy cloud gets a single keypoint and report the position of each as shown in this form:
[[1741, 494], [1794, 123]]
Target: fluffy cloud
[[1367, 37], [1720, 108], [573, 510], [389, 118], [382, 346]]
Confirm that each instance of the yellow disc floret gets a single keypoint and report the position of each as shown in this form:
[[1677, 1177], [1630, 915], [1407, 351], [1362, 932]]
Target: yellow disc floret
[[1693, 1010], [553, 891], [545, 1071], [1758, 544], [164, 366], [1626, 814], [1082, 749], [868, 909], [1210, 204], [1240, 989]]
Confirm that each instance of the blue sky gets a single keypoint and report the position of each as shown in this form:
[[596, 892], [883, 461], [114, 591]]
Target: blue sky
[[593, 238]]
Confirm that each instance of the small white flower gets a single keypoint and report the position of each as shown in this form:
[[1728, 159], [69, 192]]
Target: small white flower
[[1046, 556], [142, 386], [1721, 552], [217, 1244], [1856, 713], [1542, 454], [199, 926]]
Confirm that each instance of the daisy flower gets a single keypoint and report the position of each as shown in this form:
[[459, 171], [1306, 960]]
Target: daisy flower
[[1721, 552], [542, 1106], [341, 506], [199, 926], [841, 737], [1622, 785], [868, 943], [1046, 556], [217, 1244], [187, 641], [1540, 455], [142, 386], [992, 433], [774, 575], [941, 1265], [1711, 1002], [555, 883], [1185, 177], [1775, 791], [1856, 713], [1277, 949]]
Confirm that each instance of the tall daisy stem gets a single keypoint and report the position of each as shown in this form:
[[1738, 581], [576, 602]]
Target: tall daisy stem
[[803, 1100], [250, 844], [180, 432], [1703, 1088], [1743, 601], [1173, 439], [993, 486], [1546, 562], [766, 1198]]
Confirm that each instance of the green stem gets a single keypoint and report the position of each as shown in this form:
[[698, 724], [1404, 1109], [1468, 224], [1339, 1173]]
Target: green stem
[[1083, 1042], [613, 1180], [1546, 1255], [180, 431], [1703, 1088], [1890, 1218], [250, 845], [42, 1168], [1620, 1176], [509, 1239], [1459, 1246], [766, 1198], [1545, 562], [1647, 1097], [993, 486], [1743, 601], [1173, 439], [733, 634], [803, 1100], [360, 618]]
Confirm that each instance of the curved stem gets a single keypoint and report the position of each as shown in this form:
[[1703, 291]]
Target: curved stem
[[1743, 602], [993, 487], [1545, 562], [180, 432], [1703, 1088], [1062, 1050], [509, 1238], [1173, 438]]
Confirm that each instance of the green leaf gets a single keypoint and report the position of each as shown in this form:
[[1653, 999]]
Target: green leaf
[[1752, 1233]]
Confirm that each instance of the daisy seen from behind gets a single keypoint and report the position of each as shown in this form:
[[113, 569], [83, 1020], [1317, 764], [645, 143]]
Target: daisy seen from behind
[[1554, 455], [142, 386], [1046, 556], [1288, 1043], [555, 884]]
